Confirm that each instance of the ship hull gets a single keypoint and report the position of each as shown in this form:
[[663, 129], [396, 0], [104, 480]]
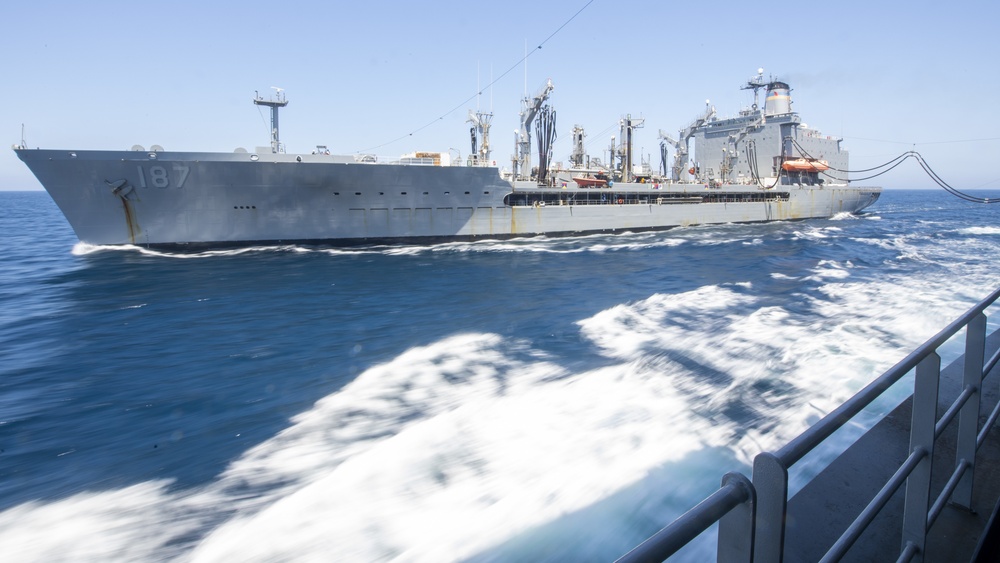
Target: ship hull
[[175, 199]]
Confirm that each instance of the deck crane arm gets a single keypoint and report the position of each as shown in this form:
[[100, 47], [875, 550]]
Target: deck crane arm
[[535, 104], [681, 145], [530, 108], [665, 141]]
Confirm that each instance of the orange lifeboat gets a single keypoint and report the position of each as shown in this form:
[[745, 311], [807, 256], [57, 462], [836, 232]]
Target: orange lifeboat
[[805, 165], [590, 182]]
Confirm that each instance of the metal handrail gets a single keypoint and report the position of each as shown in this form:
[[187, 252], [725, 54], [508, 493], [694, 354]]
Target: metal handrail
[[954, 409], [909, 552], [992, 362], [771, 474], [949, 488], [986, 427], [767, 495], [839, 549], [814, 435], [736, 490], [400, 160]]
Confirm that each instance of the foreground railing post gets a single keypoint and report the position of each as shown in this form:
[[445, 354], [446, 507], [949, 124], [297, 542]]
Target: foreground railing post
[[736, 528], [922, 422], [968, 418], [770, 480], [731, 505]]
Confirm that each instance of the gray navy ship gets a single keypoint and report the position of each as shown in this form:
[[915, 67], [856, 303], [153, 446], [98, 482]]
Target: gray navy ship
[[762, 165]]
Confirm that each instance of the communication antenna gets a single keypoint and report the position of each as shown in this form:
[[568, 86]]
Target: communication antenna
[[755, 84], [274, 103]]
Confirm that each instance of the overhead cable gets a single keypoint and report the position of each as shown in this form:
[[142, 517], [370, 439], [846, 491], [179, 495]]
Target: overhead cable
[[473, 97]]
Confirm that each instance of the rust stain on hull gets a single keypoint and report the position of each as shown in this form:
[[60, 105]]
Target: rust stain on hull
[[130, 222], [122, 189]]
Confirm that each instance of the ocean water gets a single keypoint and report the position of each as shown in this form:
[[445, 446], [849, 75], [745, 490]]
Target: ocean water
[[538, 399]]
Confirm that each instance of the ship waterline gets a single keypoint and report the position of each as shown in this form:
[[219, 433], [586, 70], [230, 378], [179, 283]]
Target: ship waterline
[[206, 199]]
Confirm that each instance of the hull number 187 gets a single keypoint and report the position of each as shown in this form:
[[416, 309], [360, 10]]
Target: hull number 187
[[160, 177]]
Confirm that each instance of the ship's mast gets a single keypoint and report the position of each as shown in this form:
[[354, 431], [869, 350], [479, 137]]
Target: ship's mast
[[481, 137], [755, 84], [579, 154], [274, 103], [627, 126]]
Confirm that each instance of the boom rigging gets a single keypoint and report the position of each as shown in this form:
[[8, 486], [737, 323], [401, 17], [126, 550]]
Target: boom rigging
[[480, 133], [681, 144], [529, 109]]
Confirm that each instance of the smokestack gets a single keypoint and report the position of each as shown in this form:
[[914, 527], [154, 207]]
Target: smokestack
[[778, 100]]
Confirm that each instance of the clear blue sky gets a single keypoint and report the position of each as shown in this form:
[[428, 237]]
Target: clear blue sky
[[885, 76]]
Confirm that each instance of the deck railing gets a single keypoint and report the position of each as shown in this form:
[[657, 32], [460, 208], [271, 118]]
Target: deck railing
[[752, 516]]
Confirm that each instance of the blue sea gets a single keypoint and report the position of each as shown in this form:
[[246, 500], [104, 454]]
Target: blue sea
[[528, 400]]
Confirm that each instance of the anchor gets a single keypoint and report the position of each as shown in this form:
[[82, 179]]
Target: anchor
[[120, 188]]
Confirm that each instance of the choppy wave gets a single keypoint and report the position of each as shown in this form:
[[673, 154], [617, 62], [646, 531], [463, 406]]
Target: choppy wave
[[710, 345], [451, 449], [543, 245], [440, 454], [980, 231], [84, 249]]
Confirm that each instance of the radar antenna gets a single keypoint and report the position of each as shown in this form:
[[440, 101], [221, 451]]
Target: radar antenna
[[755, 84], [275, 103]]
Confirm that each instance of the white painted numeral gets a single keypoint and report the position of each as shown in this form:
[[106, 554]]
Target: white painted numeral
[[160, 178], [182, 172]]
